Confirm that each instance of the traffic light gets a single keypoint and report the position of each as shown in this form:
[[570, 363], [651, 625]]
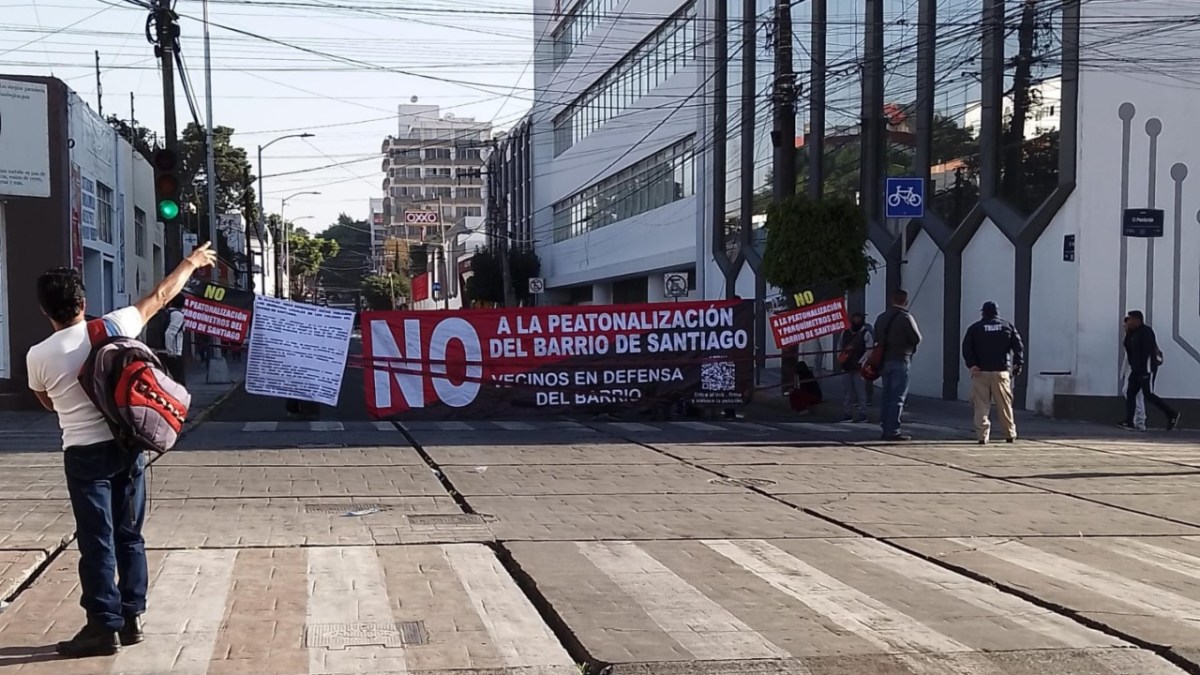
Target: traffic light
[[166, 185]]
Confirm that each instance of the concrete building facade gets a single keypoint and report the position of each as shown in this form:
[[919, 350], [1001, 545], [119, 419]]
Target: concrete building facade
[[85, 200], [617, 137]]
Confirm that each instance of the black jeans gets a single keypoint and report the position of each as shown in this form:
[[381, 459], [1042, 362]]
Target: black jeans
[[108, 496], [175, 369], [1141, 383]]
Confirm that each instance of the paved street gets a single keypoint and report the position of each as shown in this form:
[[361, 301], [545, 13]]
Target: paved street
[[540, 546]]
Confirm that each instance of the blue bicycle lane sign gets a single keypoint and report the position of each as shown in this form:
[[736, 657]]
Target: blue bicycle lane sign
[[904, 198]]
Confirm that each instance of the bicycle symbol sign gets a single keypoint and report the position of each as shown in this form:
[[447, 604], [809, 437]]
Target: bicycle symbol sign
[[904, 198]]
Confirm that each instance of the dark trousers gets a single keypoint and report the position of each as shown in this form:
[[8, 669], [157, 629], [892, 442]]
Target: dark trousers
[[175, 369], [1141, 383], [894, 375], [108, 496]]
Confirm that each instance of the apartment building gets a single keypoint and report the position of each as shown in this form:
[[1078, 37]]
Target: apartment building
[[432, 173]]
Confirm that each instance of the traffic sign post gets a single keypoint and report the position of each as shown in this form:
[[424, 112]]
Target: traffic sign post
[[675, 285], [537, 285], [1143, 223], [904, 198]]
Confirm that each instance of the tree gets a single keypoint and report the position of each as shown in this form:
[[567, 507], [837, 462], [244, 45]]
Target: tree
[[306, 255], [487, 274], [380, 291], [816, 242], [347, 269], [138, 136]]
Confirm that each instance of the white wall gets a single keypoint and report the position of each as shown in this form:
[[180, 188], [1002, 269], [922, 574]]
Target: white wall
[[1165, 98], [924, 279], [988, 273], [1075, 308]]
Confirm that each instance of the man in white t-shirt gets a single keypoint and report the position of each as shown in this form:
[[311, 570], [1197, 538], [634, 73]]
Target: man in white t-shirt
[[106, 485]]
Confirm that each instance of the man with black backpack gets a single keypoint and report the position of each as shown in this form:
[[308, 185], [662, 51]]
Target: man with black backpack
[[105, 480]]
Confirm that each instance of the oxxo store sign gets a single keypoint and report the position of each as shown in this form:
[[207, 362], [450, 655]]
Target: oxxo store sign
[[421, 218]]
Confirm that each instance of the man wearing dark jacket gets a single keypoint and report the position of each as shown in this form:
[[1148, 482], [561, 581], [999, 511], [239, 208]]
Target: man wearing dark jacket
[[896, 330], [1141, 349], [991, 347]]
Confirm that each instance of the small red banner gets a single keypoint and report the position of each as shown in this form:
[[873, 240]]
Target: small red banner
[[809, 323], [420, 288]]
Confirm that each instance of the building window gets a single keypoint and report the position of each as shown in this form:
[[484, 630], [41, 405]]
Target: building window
[[470, 193], [660, 56], [469, 153], [576, 26], [661, 179], [139, 232], [104, 212], [437, 153], [470, 211]]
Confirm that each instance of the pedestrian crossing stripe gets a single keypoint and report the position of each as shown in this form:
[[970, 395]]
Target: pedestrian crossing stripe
[[679, 597], [225, 611]]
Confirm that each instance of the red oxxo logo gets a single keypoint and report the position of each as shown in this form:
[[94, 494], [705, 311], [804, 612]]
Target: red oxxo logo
[[413, 364]]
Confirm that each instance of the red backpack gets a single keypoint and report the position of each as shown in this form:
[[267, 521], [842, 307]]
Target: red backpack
[[128, 384]]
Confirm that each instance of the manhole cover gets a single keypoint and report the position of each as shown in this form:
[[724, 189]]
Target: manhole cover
[[743, 482], [451, 519], [341, 508], [339, 636]]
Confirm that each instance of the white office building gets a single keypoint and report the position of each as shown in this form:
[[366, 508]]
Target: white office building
[[616, 136]]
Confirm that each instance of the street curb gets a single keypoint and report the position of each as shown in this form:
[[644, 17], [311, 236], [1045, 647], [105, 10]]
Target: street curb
[[19, 586], [203, 415]]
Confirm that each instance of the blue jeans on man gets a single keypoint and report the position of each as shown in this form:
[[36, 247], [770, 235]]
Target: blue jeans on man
[[108, 495], [894, 376]]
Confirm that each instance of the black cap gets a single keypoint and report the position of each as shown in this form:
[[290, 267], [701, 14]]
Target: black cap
[[990, 307]]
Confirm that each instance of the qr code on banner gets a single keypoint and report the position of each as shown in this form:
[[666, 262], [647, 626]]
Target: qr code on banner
[[718, 376]]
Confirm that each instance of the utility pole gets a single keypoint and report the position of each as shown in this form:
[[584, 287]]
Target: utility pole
[[785, 94], [167, 32], [99, 88], [506, 249], [783, 135]]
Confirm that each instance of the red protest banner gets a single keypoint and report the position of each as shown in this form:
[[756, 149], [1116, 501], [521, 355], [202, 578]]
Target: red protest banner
[[532, 361], [218, 311], [809, 323]]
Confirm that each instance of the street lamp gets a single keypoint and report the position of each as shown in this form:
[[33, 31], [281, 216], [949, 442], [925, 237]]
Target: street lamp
[[262, 216], [287, 247]]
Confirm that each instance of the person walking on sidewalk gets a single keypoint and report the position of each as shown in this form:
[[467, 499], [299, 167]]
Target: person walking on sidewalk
[[856, 341], [107, 488], [1141, 349], [991, 348], [173, 338], [898, 335]]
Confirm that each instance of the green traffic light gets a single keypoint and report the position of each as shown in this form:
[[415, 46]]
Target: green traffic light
[[168, 210]]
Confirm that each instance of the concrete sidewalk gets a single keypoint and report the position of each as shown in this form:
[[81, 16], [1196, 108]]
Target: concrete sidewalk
[[35, 514]]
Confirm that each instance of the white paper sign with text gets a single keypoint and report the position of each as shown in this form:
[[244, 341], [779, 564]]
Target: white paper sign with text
[[297, 351]]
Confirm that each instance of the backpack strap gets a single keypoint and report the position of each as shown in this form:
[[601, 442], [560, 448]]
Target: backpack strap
[[99, 330]]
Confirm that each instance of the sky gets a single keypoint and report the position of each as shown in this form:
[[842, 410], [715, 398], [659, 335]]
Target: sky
[[334, 68]]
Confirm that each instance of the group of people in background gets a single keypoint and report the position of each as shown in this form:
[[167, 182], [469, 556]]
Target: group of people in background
[[993, 352]]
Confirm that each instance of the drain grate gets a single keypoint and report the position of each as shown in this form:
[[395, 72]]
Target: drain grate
[[340, 636], [341, 508], [743, 482], [451, 519]]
